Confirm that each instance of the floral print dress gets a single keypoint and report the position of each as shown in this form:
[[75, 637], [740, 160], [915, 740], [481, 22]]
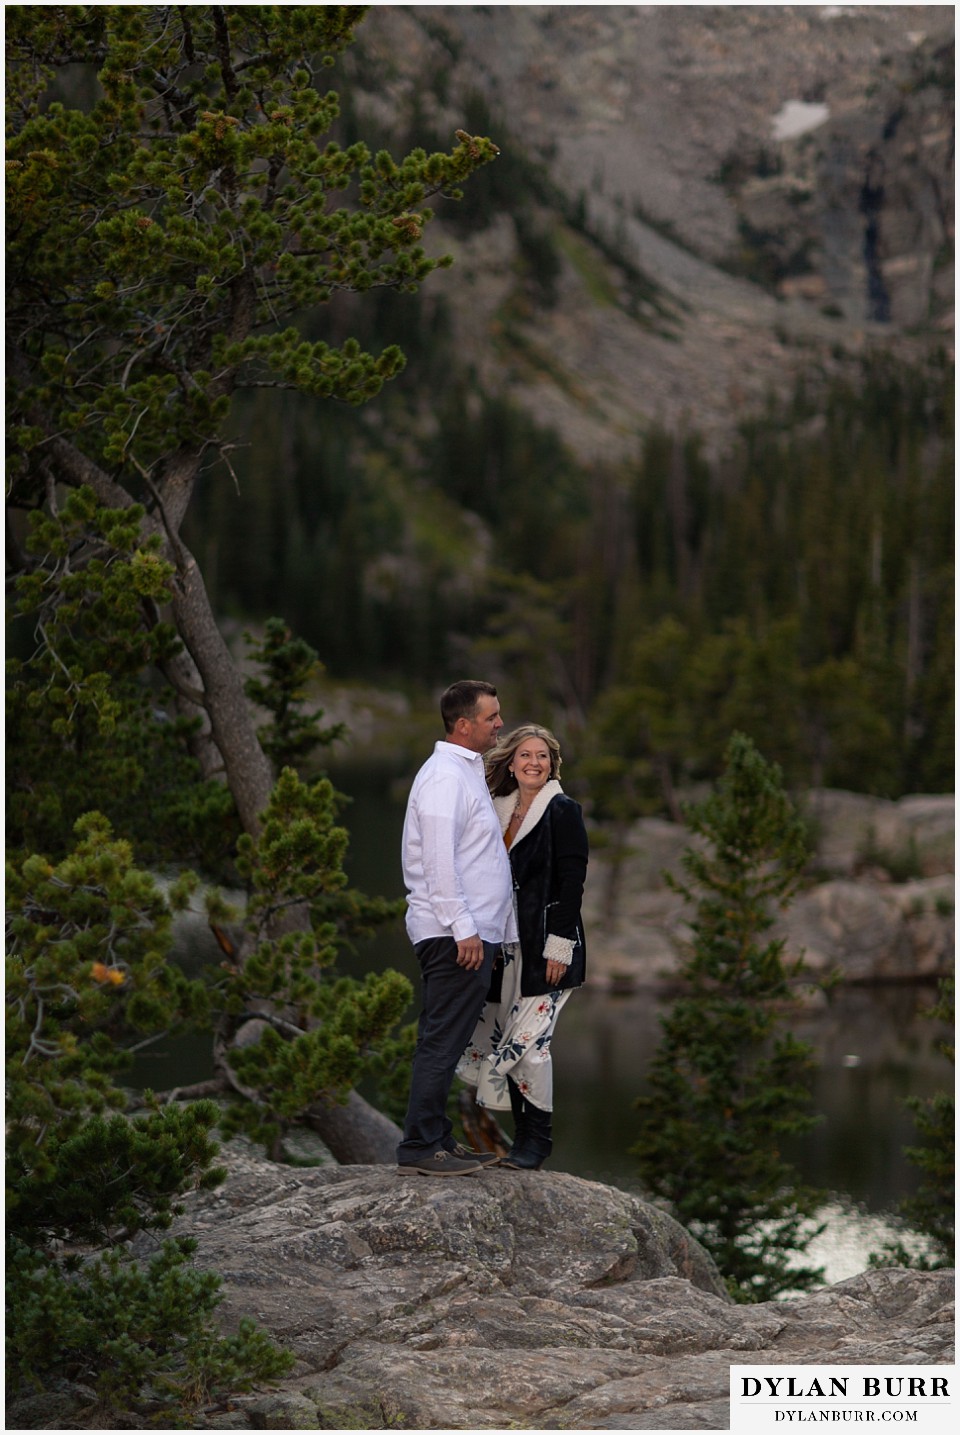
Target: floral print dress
[[512, 1038]]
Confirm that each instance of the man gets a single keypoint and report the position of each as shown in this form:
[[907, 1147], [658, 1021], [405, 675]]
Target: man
[[459, 912]]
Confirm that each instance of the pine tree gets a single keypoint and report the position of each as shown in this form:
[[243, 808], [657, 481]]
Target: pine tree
[[727, 1084], [932, 1209], [175, 207], [159, 242], [171, 207], [289, 665], [88, 977]]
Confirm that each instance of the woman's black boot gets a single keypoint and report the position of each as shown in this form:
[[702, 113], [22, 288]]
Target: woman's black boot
[[533, 1146]]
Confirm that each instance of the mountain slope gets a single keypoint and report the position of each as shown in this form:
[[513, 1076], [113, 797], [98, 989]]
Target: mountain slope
[[729, 196]]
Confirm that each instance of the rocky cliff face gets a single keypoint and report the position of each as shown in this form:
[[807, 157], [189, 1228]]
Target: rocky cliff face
[[739, 193], [879, 906], [508, 1300]]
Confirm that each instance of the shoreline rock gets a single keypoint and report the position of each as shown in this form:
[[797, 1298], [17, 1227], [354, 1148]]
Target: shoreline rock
[[854, 917]]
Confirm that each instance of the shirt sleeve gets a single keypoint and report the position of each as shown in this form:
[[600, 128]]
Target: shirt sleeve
[[442, 814]]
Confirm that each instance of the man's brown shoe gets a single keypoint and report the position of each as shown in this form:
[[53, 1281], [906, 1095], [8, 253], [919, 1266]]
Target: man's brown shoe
[[467, 1153], [441, 1163]]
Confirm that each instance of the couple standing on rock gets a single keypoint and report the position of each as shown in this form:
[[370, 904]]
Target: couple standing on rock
[[494, 860]]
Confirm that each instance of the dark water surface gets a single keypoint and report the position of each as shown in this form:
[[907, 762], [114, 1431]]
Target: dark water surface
[[873, 1047]]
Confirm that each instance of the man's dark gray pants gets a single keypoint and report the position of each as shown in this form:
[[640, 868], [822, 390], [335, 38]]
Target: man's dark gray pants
[[452, 1000]]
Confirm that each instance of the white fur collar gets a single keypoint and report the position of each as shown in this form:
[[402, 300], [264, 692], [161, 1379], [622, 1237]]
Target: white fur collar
[[506, 805]]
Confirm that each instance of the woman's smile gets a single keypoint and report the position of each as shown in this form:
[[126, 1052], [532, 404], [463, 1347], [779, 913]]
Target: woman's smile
[[531, 765]]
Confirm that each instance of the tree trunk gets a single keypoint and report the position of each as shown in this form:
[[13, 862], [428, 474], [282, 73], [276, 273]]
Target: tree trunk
[[662, 764], [231, 716], [181, 673], [356, 1134]]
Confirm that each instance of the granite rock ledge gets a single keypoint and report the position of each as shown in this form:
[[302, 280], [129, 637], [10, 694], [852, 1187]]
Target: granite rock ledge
[[512, 1300]]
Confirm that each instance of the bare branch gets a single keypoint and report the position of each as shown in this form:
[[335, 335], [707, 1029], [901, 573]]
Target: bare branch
[[216, 1086], [196, 696]]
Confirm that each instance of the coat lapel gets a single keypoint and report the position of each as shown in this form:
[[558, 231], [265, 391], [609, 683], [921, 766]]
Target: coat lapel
[[505, 807]]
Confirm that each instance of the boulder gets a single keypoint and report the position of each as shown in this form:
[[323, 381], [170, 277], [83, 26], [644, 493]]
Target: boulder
[[879, 906], [504, 1300], [913, 836], [514, 1299], [873, 932]]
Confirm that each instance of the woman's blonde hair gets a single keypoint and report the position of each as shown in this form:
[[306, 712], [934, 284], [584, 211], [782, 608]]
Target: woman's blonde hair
[[500, 779]]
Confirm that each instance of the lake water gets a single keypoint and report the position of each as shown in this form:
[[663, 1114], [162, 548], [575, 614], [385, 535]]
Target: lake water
[[874, 1049]]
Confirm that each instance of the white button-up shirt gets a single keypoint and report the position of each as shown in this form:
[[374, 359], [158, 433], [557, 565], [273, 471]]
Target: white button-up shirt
[[455, 863]]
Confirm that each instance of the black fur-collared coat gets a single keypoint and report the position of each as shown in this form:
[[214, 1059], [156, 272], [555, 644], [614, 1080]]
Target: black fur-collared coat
[[548, 858]]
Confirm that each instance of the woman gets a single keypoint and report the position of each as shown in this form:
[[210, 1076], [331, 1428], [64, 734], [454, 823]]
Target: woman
[[509, 1058]]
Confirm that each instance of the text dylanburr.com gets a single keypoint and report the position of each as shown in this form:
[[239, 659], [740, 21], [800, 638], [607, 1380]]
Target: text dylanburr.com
[[781, 1398]]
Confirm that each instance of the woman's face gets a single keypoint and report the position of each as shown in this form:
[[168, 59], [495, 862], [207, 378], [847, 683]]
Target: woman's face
[[531, 765]]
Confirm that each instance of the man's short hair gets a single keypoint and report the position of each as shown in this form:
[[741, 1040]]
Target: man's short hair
[[461, 699]]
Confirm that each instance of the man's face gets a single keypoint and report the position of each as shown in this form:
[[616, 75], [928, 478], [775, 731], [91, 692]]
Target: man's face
[[479, 733]]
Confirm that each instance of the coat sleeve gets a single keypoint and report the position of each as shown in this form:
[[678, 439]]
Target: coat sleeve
[[570, 853]]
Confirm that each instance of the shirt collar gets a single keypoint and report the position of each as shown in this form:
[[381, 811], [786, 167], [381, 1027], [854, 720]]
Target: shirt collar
[[454, 748]]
